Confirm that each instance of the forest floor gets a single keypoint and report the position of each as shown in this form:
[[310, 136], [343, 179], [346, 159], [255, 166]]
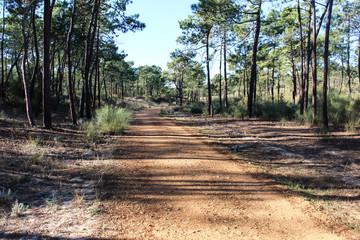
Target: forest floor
[[164, 180]]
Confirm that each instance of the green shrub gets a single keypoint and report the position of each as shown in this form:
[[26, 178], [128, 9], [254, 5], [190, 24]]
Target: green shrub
[[108, 120], [275, 111], [196, 110], [112, 120], [238, 111], [306, 118]]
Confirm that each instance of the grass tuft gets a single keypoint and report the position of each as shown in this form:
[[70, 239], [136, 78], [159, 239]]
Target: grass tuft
[[18, 208], [108, 120]]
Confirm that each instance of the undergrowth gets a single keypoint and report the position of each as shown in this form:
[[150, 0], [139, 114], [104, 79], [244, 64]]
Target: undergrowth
[[108, 120]]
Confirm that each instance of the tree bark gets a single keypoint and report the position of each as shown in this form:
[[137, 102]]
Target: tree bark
[[314, 63], [2, 53], [253, 65], [348, 71], [326, 65], [208, 72], [308, 59], [293, 75], [88, 56], [302, 80], [37, 54], [46, 81], [24, 73], [70, 84], [225, 76], [220, 78]]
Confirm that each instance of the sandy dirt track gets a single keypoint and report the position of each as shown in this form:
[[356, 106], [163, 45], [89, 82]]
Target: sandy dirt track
[[171, 183]]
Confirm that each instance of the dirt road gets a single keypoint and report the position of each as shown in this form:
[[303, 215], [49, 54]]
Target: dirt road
[[173, 184]]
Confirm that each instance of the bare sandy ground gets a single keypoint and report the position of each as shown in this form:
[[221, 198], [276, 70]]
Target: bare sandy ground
[[171, 183]]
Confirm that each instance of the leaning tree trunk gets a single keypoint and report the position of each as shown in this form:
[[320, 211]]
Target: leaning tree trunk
[[24, 73], [302, 80], [253, 65], [326, 65]]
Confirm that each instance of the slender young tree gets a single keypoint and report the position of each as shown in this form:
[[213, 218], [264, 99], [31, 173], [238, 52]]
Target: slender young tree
[[326, 65], [314, 62], [69, 63], [24, 68]]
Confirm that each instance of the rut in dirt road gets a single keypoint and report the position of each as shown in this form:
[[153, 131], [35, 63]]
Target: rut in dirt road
[[172, 184]]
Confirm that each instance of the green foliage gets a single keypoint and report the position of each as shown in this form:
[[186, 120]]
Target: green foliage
[[339, 109], [196, 110], [306, 118], [108, 120], [275, 111], [238, 109]]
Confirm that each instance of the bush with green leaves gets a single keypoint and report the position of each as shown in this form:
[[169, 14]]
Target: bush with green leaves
[[108, 120]]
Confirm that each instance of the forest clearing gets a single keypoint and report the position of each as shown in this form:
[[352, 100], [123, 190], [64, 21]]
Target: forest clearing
[[162, 180]]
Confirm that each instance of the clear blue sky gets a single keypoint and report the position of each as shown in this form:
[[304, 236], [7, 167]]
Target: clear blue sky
[[153, 45]]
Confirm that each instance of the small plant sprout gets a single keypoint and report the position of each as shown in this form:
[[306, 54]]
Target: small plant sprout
[[18, 208], [79, 198]]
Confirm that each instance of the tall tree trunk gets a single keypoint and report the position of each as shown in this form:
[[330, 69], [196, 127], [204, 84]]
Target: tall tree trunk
[[24, 73], [99, 84], [244, 83], [96, 67], [273, 81], [253, 65], [326, 65], [293, 78], [225, 75], [88, 56], [2, 53], [342, 73], [314, 62], [46, 81], [348, 71], [70, 84], [208, 72], [302, 80], [308, 60], [220, 78]]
